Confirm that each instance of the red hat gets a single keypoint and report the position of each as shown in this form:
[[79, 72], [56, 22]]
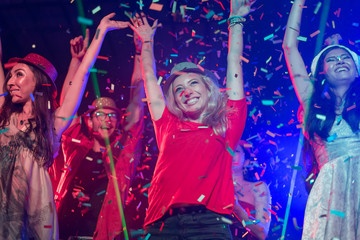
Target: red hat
[[40, 63]]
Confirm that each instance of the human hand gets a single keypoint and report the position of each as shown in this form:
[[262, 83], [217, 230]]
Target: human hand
[[137, 42], [109, 24], [142, 28], [79, 45], [241, 7]]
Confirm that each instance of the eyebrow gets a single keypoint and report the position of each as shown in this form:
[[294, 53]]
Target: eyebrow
[[346, 54], [19, 69]]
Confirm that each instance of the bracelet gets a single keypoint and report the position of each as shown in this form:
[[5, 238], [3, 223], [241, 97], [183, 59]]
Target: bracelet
[[137, 53], [235, 19], [149, 41], [233, 24]]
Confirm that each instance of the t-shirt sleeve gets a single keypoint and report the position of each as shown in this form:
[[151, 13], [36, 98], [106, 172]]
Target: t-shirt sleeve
[[236, 116], [162, 124]]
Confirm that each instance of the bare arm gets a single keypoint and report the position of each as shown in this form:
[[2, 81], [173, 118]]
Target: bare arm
[[234, 74], [154, 95], [2, 76], [78, 47], [135, 109], [75, 92], [294, 61], [261, 223]]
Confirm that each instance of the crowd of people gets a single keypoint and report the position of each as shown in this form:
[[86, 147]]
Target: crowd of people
[[67, 176]]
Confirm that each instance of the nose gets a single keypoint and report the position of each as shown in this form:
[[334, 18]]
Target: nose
[[188, 91], [339, 59], [10, 82]]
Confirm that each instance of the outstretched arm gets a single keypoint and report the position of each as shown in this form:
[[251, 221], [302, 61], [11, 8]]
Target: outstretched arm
[[2, 77], [135, 109], [153, 91], [294, 61], [261, 223], [234, 74], [78, 48], [75, 91]]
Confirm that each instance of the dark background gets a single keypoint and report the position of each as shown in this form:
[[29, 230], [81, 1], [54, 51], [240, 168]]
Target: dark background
[[46, 27]]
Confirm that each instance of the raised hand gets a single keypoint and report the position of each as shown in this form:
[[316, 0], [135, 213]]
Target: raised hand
[[137, 42], [109, 24], [79, 45], [241, 7], [141, 27]]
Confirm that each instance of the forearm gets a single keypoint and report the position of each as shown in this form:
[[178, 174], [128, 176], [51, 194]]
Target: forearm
[[153, 91], [76, 90], [73, 67], [135, 109], [234, 76], [2, 82], [258, 228], [293, 26]]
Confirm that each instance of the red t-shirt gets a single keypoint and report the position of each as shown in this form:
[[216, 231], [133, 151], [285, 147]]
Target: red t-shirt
[[194, 164]]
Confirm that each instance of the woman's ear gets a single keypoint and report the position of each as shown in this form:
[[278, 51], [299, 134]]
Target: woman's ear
[[89, 123]]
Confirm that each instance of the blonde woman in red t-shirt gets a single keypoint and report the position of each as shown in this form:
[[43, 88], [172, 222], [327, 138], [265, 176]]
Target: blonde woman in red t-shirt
[[196, 129]]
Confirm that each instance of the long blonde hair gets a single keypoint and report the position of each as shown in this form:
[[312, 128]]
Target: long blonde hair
[[216, 108]]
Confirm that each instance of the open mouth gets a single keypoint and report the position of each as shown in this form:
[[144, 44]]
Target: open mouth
[[342, 69], [192, 101], [13, 90]]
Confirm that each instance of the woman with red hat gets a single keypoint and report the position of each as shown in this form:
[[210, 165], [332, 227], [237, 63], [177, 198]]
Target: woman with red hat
[[31, 125], [330, 101], [196, 128]]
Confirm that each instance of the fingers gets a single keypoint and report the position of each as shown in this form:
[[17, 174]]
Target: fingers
[[87, 36], [156, 24], [111, 15], [144, 19]]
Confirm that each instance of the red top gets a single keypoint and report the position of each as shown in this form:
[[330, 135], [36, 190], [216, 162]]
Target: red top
[[194, 164]]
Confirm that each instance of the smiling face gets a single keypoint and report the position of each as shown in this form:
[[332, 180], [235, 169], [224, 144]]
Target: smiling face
[[21, 83], [339, 68], [104, 122], [191, 95]]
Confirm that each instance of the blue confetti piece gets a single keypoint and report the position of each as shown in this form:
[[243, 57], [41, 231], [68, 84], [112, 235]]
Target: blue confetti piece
[[85, 21], [32, 97], [101, 192], [232, 153], [337, 213], [4, 130], [4, 94], [332, 137]]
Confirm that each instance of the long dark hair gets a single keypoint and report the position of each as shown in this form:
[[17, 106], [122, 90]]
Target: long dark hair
[[44, 106], [323, 102]]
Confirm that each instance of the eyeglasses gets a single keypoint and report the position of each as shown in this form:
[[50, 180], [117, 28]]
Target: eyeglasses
[[102, 116]]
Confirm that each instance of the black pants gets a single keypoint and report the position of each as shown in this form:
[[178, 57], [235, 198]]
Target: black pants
[[190, 223]]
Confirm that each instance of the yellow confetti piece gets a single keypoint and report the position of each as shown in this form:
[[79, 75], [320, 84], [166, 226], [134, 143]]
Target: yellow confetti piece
[[75, 140]]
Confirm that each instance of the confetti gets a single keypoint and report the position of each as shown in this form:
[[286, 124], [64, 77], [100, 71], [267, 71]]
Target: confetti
[[85, 21], [314, 33], [201, 198], [337, 213], [95, 10], [75, 140]]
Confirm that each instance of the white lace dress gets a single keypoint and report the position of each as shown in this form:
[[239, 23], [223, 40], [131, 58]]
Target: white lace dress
[[333, 207]]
